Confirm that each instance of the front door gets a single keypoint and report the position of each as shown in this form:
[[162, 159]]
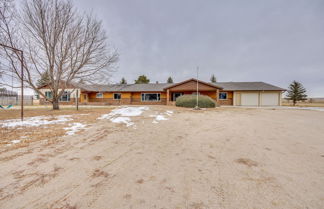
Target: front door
[[85, 98], [176, 95]]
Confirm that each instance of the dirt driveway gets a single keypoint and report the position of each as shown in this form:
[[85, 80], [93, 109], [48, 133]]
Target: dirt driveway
[[221, 158]]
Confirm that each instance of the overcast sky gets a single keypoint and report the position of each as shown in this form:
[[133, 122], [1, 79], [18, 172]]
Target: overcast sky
[[273, 41]]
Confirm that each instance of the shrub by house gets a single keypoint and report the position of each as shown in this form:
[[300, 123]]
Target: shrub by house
[[191, 101]]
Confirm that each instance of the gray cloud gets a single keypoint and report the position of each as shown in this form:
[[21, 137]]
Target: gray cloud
[[273, 41]]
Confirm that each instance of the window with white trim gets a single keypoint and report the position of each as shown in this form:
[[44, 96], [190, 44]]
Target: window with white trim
[[65, 97], [117, 96], [48, 94], [223, 95], [151, 97], [99, 95]]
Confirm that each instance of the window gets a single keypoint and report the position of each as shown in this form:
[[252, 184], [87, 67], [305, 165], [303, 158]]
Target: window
[[117, 96], [150, 97], [65, 97], [99, 95], [223, 95], [176, 95], [48, 94], [85, 97]]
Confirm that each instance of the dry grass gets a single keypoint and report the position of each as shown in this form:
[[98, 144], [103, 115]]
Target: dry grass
[[99, 173], [247, 162], [67, 206], [97, 157], [36, 179], [140, 181], [51, 133], [304, 104], [15, 113]]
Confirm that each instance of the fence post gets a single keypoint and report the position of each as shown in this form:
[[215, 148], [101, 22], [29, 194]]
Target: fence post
[[77, 99]]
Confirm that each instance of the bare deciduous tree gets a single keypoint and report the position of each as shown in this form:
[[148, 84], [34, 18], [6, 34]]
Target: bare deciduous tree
[[58, 40], [6, 18]]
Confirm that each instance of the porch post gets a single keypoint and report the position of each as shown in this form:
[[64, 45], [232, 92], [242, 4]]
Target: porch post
[[217, 97], [168, 97]]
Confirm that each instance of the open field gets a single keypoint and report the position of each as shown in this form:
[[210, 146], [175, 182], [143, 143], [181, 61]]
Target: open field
[[166, 157], [304, 104]]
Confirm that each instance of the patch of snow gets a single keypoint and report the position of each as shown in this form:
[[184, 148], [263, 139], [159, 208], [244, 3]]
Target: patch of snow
[[125, 120], [160, 117], [16, 141], [125, 112], [74, 127], [169, 112], [35, 121]]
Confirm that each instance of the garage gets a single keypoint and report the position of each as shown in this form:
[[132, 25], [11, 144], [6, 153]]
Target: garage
[[269, 99], [253, 93], [249, 99]]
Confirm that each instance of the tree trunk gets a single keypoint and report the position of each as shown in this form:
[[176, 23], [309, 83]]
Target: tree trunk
[[56, 105]]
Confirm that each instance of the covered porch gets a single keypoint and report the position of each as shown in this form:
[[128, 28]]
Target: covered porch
[[190, 87]]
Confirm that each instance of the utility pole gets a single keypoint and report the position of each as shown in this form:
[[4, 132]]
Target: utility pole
[[197, 96], [77, 99], [22, 87], [22, 78]]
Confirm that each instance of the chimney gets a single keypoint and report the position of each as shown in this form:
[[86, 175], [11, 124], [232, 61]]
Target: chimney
[[156, 82]]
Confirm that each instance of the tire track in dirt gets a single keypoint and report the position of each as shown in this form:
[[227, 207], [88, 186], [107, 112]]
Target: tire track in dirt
[[160, 148], [107, 164]]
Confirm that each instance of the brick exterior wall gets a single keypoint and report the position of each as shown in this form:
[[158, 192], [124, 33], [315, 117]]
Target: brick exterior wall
[[43, 101], [126, 101], [225, 102], [109, 101], [139, 102]]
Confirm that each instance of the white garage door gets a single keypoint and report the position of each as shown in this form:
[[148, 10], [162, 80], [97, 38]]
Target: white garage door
[[269, 99], [249, 99]]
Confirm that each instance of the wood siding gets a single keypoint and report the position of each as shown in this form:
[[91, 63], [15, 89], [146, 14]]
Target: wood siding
[[127, 98], [192, 86], [229, 100]]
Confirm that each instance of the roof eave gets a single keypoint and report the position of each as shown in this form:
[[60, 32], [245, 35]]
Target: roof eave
[[192, 79]]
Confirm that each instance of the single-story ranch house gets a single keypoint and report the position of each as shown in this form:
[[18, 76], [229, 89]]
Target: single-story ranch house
[[224, 93]]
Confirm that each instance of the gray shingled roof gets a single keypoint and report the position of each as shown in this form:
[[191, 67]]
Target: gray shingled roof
[[153, 87], [158, 87], [248, 86]]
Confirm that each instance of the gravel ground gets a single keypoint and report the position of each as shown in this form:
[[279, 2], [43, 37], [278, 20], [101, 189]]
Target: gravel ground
[[217, 158]]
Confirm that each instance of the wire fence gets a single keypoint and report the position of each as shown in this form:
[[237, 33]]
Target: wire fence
[[12, 98]]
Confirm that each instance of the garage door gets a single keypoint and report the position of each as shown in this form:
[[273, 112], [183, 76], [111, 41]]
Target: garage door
[[269, 99], [249, 99]]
